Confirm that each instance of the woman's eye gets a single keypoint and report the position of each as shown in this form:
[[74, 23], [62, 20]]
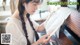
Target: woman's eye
[[34, 4]]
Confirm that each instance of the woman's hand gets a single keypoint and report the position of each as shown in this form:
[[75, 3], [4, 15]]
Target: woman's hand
[[44, 40]]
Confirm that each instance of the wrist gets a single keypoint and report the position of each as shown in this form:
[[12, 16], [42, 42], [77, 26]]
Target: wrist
[[40, 42], [36, 43]]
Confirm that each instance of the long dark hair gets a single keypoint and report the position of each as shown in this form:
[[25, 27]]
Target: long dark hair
[[21, 9]]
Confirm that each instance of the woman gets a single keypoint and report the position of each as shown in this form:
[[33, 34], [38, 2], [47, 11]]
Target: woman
[[22, 28]]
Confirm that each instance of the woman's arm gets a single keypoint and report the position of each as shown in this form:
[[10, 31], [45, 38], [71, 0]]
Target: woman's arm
[[38, 27], [41, 27]]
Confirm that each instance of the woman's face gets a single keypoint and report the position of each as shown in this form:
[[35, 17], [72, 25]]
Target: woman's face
[[31, 7]]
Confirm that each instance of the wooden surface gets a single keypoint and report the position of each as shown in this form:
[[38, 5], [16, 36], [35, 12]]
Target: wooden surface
[[65, 40], [73, 23]]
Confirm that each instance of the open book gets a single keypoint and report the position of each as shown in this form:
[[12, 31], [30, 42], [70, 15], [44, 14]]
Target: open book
[[56, 20]]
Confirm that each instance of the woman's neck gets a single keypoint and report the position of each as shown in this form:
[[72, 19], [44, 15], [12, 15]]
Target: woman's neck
[[16, 14]]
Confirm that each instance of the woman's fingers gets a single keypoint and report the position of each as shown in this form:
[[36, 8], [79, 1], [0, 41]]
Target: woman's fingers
[[47, 38]]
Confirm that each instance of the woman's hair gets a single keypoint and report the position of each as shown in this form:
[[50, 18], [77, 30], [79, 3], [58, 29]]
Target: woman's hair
[[21, 9]]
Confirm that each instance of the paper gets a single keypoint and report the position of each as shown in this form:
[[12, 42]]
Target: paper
[[56, 20]]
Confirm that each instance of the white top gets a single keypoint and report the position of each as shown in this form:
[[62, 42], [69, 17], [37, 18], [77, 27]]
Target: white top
[[14, 27], [55, 21]]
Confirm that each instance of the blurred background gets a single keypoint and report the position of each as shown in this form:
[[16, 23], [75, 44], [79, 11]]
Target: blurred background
[[8, 7]]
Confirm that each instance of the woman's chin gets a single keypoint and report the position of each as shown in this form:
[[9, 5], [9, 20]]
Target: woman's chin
[[32, 13]]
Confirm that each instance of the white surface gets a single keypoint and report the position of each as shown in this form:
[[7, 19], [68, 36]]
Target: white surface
[[56, 20], [7, 2], [5, 13]]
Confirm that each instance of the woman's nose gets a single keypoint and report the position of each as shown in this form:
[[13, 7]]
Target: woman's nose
[[36, 8]]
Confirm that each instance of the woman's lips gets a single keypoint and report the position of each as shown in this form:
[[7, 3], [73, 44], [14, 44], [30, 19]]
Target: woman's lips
[[33, 11]]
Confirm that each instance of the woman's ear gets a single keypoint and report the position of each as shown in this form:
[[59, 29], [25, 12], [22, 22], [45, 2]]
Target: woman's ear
[[25, 5]]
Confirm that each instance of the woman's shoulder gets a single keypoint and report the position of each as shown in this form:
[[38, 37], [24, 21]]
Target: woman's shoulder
[[12, 21], [12, 24]]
